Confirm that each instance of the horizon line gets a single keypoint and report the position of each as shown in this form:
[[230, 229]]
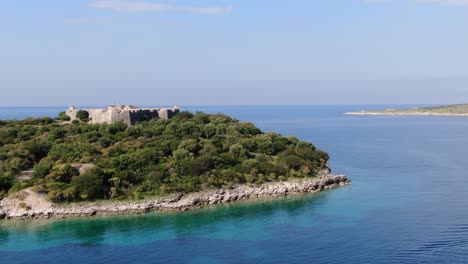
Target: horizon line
[[232, 105]]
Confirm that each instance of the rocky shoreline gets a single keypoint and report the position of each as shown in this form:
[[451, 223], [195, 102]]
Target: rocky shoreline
[[27, 204]]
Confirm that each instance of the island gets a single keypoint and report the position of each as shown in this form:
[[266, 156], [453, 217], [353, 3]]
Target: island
[[449, 110], [124, 159]]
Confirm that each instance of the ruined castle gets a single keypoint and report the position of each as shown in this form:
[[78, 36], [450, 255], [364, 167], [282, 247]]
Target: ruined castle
[[127, 114]]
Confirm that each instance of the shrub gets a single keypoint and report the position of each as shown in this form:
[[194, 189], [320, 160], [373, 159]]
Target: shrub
[[37, 149], [43, 168], [23, 205], [64, 174], [116, 128], [63, 117]]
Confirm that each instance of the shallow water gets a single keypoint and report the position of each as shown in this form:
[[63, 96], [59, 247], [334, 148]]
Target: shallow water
[[407, 203]]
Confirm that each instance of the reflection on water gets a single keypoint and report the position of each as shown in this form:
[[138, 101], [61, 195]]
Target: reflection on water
[[153, 226]]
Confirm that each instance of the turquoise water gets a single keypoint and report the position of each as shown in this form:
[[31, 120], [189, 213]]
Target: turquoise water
[[407, 204]]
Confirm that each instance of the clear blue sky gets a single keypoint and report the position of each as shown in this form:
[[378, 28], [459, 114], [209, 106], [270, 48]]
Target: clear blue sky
[[199, 52]]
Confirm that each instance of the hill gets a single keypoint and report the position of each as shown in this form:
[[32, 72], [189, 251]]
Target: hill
[[77, 161]]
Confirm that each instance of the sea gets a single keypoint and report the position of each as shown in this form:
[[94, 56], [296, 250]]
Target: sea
[[408, 202]]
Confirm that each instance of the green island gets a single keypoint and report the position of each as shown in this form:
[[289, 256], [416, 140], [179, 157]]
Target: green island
[[188, 153], [448, 110]]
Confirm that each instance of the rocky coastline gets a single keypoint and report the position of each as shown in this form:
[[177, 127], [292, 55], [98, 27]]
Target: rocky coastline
[[27, 204]]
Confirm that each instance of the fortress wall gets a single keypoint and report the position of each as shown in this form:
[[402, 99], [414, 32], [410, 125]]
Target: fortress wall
[[173, 112], [100, 116], [143, 115], [128, 116], [166, 113], [119, 115], [71, 114], [163, 114]]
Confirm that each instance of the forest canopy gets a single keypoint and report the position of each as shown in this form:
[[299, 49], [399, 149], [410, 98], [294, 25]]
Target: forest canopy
[[190, 152]]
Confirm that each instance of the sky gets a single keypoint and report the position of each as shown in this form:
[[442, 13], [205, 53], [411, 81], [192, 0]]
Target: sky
[[233, 52]]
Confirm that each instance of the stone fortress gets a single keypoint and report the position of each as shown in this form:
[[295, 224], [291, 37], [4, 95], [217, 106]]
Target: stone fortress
[[127, 114]]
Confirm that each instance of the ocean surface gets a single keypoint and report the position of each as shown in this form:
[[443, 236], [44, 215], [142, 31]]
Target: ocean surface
[[408, 202]]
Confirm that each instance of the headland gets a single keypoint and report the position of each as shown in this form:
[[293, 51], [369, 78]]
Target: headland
[[86, 164]]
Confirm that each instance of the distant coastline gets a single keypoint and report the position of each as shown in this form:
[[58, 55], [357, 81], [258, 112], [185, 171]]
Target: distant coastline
[[402, 114], [450, 110]]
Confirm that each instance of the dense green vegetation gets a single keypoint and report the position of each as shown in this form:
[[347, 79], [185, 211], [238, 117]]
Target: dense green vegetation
[[190, 152]]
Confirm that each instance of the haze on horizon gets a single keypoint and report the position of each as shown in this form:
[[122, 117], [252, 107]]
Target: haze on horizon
[[218, 52]]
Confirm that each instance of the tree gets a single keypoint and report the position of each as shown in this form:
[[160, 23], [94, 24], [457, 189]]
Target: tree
[[209, 130], [56, 133], [18, 164], [238, 151], [69, 194], [63, 116], [6, 181], [82, 115], [114, 187], [37, 149], [89, 185], [116, 128], [64, 174], [294, 162], [249, 129], [43, 168]]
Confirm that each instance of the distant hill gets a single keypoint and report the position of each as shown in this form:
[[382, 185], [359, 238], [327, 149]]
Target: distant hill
[[448, 110]]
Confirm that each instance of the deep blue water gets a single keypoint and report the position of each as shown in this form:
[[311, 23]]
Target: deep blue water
[[408, 203]]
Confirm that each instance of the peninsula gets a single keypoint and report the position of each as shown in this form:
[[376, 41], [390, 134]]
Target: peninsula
[[449, 110], [104, 161]]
